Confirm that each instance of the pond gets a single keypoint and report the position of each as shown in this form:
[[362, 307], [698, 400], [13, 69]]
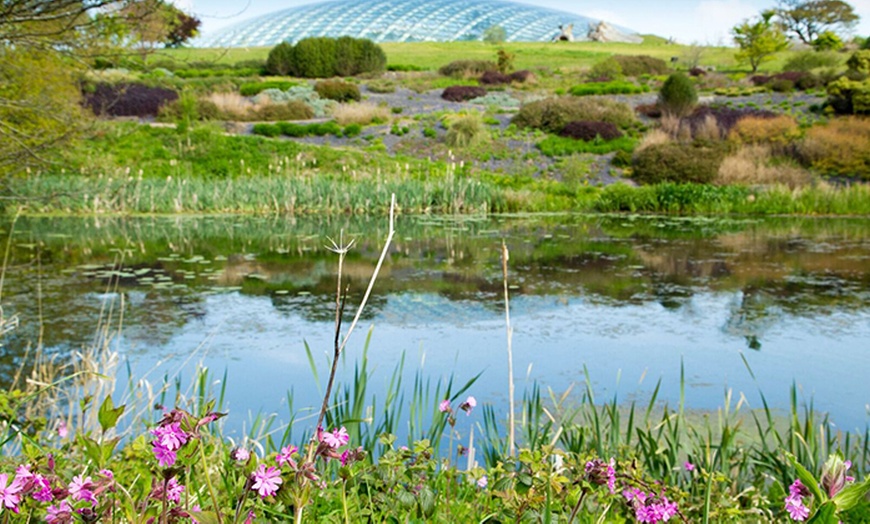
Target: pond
[[746, 305]]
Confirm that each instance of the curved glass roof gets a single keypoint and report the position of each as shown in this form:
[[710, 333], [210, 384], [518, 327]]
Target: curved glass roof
[[401, 21]]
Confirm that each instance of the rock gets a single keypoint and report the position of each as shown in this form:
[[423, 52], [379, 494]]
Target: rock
[[604, 32]]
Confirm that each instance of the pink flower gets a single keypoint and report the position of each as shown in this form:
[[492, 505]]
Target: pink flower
[[174, 490], [60, 514], [469, 404], [250, 518], [336, 439], [797, 489], [9, 497], [170, 436], [41, 489], [82, 489], [795, 507], [286, 456], [611, 476], [482, 482], [62, 430], [444, 406], [689, 467], [266, 480], [165, 457], [240, 455]]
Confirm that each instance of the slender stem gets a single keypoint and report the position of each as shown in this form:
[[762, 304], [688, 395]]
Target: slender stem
[[344, 501], [577, 507], [217, 509], [505, 255]]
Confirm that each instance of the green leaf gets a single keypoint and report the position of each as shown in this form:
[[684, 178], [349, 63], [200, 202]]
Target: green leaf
[[108, 447], [807, 479], [92, 450], [109, 414], [826, 514], [851, 495]]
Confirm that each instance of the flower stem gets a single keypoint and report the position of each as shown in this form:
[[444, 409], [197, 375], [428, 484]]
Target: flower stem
[[217, 509]]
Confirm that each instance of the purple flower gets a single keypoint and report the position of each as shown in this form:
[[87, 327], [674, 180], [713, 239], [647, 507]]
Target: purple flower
[[266, 480], [82, 489], [444, 406], [336, 439], [41, 489], [164, 456], [250, 519], [62, 430], [689, 466], [469, 404], [174, 490], [286, 456], [9, 497], [240, 455], [170, 436], [797, 489], [795, 507], [648, 508], [482, 482], [600, 473], [60, 514]]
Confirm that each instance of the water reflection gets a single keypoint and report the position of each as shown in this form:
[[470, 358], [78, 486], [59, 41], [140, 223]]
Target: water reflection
[[657, 288]]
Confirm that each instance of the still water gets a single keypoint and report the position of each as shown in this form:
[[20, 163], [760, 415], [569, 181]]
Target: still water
[[631, 299]]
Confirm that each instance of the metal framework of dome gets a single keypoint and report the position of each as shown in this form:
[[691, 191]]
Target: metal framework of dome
[[402, 21]]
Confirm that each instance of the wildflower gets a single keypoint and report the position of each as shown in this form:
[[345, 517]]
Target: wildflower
[[469, 404], [250, 518], [62, 430], [336, 439], [41, 489], [169, 436], [60, 514], [797, 489], [482, 482], [165, 457], [82, 489], [286, 456], [834, 476], [649, 508], [795, 507], [266, 480], [602, 473], [689, 466], [240, 455], [444, 406], [9, 497], [174, 490]]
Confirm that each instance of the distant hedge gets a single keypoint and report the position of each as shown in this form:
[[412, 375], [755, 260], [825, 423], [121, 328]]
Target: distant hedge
[[324, 57]]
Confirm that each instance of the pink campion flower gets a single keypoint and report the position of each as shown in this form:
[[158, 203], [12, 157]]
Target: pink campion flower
[[611, 476], [82, 489], [266, 480], [797, 489], [240, 455], [286, 456], [170, 436], [250, 519], [62, 429], [444, 406], [196, 508], [795, 507], [60, 514], [689, 466], [9, 495], [41, 489], [482, 482], [336, 439], [174, 490], [165, 457], [469, 404]]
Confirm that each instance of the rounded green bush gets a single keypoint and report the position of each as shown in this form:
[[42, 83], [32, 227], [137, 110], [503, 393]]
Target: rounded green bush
[[678, 95], [552, 114], [672, 162]]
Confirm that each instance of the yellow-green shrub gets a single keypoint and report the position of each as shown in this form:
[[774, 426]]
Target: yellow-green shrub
[[760, 130], [839, 148]]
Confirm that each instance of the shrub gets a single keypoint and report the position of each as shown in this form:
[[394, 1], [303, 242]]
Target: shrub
[[293, 130], [325, 128], [128, 99], [673, 162], [255, 88], [494, 78], [466, 129], [638, 65], [563, 146], [605, 70], [551, 114], [781, 85], [847, 96], [460, 68], [678, 96], [726, 117], [522, 76], [827, 41], [505, 61], [859, 62], [337, 90], [352, 130], [607, 88], [808, 60], [270, 130], [281, 59], [590, 130], [765, 130], [314, 57], [462, 93], [839, 147], [205, 110], [354, 56], [363, 113], [382, 86], [697, 71], [292, 110]]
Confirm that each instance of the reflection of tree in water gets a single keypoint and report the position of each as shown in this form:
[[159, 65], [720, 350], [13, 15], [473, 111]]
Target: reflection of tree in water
[[321, 307], [751, 315]]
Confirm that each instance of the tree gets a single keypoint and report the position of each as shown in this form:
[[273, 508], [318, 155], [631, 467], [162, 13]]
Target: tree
[[182, 29], [154, 23], [808, 19], [758, 40], [494, 35]]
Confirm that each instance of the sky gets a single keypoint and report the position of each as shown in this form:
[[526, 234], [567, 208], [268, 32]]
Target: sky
[[706, 22]]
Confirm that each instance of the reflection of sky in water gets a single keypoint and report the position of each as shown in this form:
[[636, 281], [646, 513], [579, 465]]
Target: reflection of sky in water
[[626, 349]]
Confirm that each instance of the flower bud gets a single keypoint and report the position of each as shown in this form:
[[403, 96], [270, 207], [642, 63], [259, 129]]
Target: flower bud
[[834, 474]]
